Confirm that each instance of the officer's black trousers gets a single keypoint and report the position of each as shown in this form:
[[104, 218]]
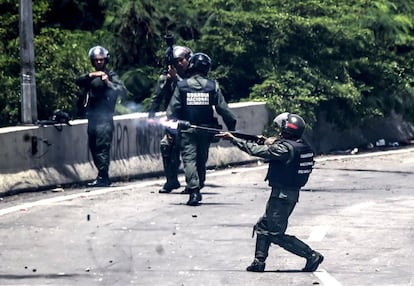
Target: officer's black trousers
[[100, 138]]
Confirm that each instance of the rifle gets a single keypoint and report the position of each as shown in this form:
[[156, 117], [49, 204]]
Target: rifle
[[184, 125], [169, 55]]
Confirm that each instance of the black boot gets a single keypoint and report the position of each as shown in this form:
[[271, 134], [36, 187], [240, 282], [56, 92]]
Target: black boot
[[195, 197], [100, 182], [313, 262], [167, 188], [298, 247], [199, 197], [256, 266], [261, 253]]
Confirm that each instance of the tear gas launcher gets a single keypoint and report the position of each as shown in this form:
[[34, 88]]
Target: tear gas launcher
[[184, 125]]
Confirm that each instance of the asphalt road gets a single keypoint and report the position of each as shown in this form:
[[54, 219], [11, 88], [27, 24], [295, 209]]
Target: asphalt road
[[357, 210]]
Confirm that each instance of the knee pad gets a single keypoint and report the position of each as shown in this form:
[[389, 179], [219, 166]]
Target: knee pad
[[260, 227]]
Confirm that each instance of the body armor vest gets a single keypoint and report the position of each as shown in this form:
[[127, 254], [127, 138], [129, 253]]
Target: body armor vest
[[198, 104], [294, 173]]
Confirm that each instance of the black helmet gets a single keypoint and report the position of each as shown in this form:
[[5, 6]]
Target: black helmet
[[199, 63], [291, 125], [180, 52], [98, 51], [60, 117]]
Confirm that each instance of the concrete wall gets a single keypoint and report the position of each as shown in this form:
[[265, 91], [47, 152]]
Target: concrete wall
[[33, 157], [327, 138]]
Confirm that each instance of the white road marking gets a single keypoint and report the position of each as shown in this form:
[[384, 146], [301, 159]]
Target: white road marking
[[91, 193], [326, 279], [318, 233], [359, 207], [229, 171]]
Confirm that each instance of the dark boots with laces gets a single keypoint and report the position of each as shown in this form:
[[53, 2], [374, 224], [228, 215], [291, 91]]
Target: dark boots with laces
[[261, 253], [100, 182], [290, 243], [169, 187], [256, 266], [195, 197], [312, 262]]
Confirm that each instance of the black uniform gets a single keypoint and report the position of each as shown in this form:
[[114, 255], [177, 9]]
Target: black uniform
[[290, 164], [100, 104], [193, 101]]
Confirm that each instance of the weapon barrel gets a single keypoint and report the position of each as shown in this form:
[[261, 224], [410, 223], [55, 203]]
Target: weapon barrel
[[169, 56], [207, 129], [169, 39], [248, 137], [183, 125]]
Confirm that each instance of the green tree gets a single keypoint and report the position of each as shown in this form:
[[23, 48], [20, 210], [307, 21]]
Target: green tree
[[64, 57], [75, 14], [349, 60], [138, 29], [335, 61]]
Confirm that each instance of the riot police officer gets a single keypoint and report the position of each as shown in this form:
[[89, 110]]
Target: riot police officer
[[290, 164], [193, 101], [102, 88], [170, 148]]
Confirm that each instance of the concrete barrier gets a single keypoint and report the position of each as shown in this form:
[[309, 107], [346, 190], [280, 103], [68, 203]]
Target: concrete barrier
[[392, 130], [39, 157], [34, 158]]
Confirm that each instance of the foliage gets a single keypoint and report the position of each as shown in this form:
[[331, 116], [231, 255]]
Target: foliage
[[9, 63], [73, 15], [335, 61], [138, 30], [64, 57], [350, 60]]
